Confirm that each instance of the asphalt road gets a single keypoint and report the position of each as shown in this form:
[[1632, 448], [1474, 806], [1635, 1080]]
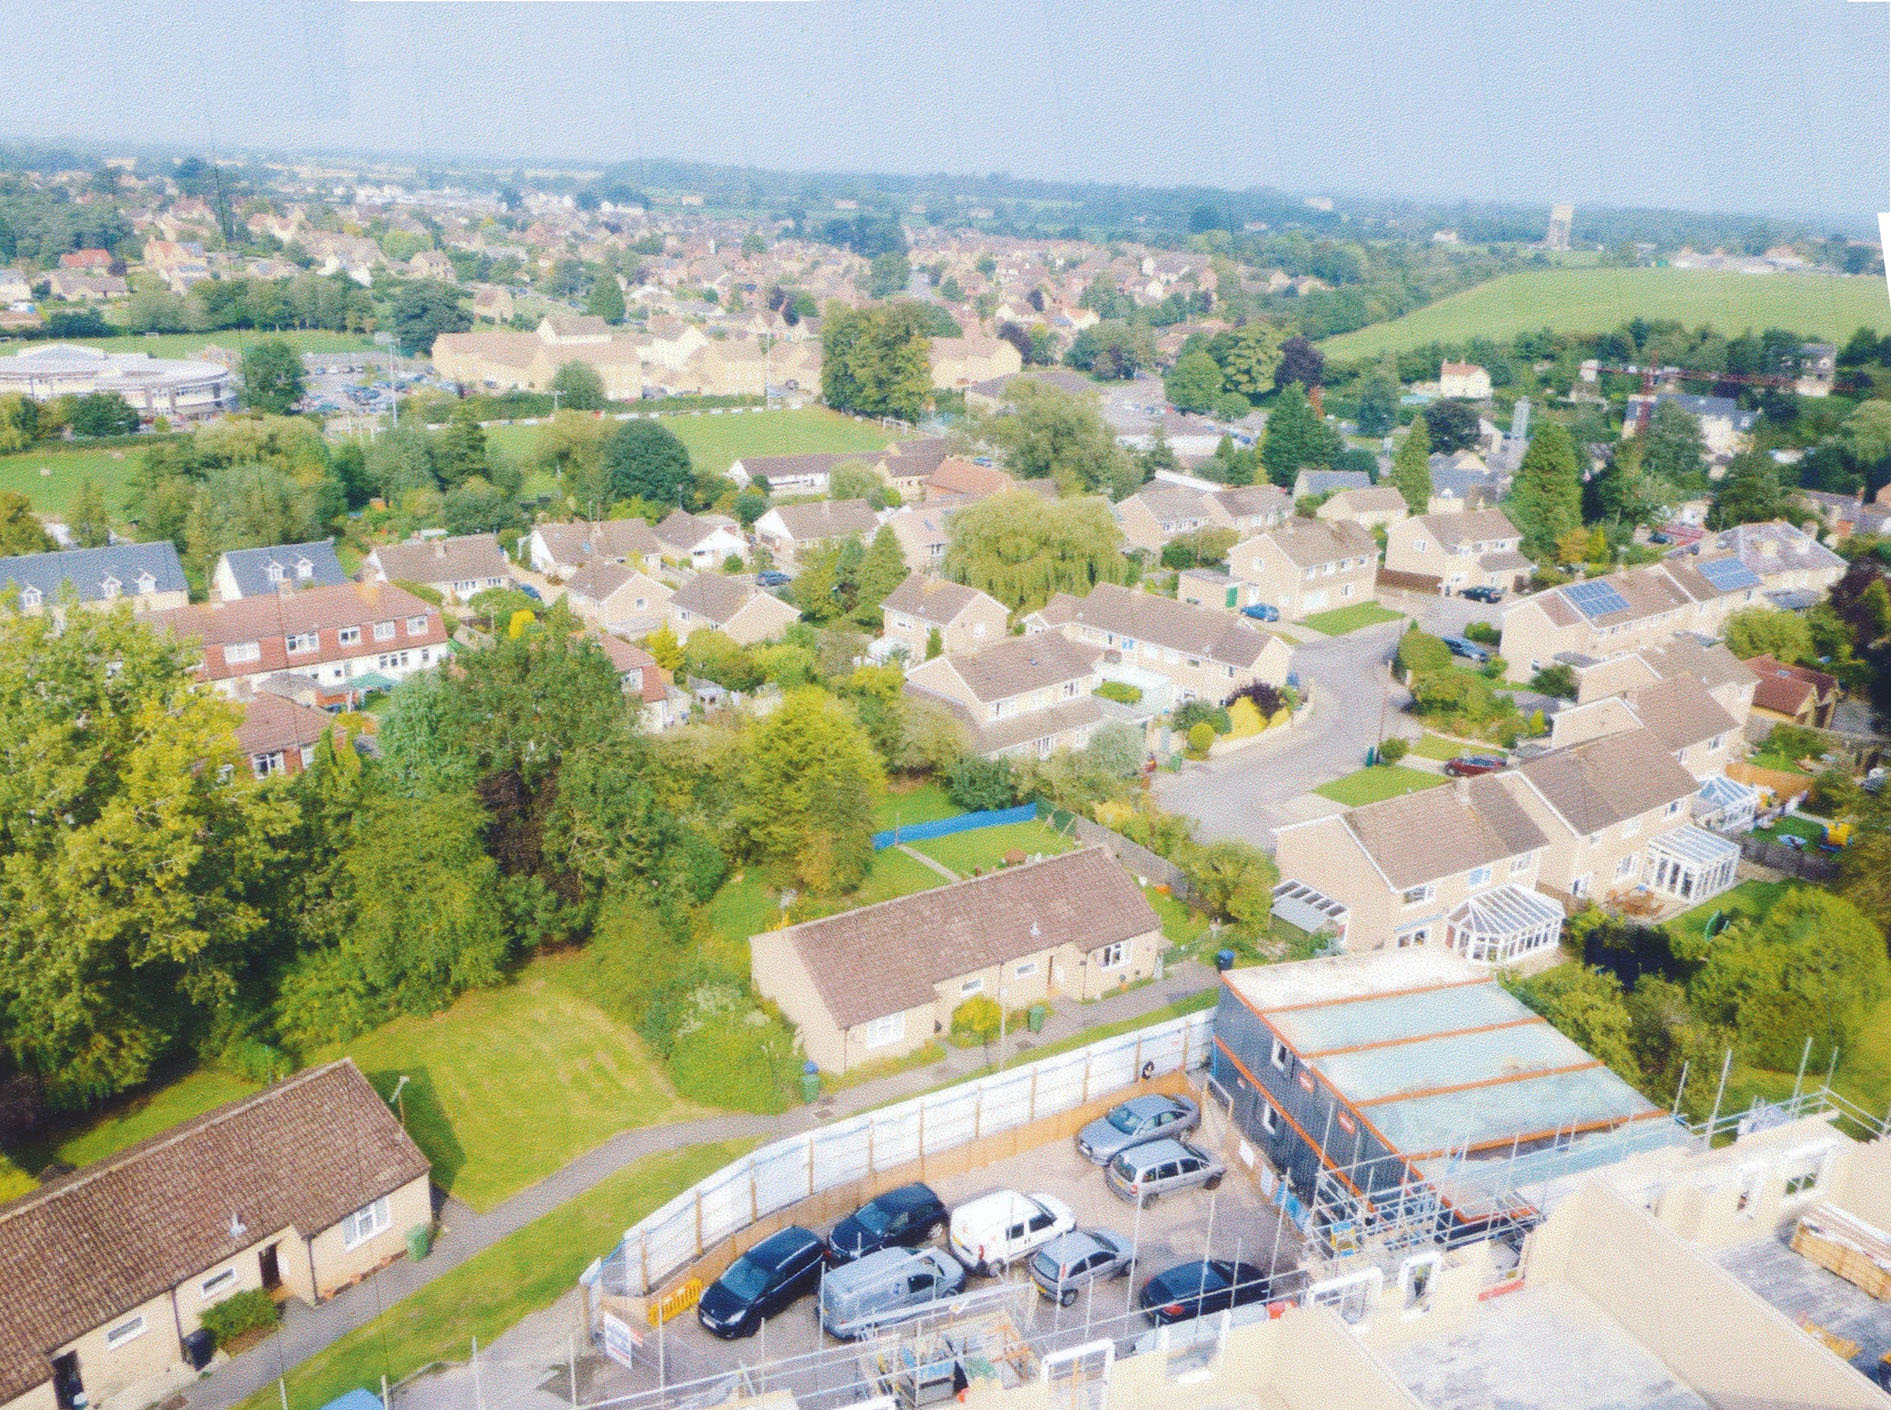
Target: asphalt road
[[1248, 793]]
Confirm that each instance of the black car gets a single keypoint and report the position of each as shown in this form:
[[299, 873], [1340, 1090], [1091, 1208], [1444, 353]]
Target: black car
[[1191, 1290], [773, 578], [906, 1217], [1484, 594], [762, 1282]]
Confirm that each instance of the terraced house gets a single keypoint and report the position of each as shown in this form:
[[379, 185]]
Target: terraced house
[[1208, 654], [1022, 695], [1164, 510], [146, 575], [963, 616]]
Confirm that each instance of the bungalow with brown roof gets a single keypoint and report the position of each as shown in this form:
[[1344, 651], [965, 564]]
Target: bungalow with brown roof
[[1021, 695], [617, 598], [559, 550], [1374, 507], [860, 990], [957, 479], [789, 530], [700, 541], [306, 1186], [788, 474], [963, 616], [730, 605], [458, 568], [1306, 566]]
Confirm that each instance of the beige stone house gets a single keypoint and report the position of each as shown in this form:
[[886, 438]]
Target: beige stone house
[[700, 541], [1164, 510], [923, 535], [1785, 558], [959, 362], [458, 568], [964, 617], [1021, 695], [790, 530], [512, 361], [1374, 507], [304, 1187], [617, 598], [907, 465], [860, 990], [1475, 548], [957, 480], [1722, 674], [1701, 734], [1463, 379], [730, 605], [559, 550], [1209, 654], [1306, 566]]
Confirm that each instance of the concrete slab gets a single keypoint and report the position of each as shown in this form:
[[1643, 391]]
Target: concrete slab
[[1806, 1292]]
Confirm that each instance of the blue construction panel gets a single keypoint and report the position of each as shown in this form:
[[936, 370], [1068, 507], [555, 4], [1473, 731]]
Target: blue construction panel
[[1507, 1110]]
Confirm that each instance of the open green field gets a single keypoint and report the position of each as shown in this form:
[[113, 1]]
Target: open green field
[[113, 468], [1350, 619], [1598, 300], [494, 1288], [984, 848], [715, 442], [1376, 784]]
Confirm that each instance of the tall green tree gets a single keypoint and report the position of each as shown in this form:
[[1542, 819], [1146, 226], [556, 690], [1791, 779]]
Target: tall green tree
[[644, 460], [461, 454], [1021, 548], [1546, 499], [88, 519], [1453, 425], [606, 299], [1749, 492], [1045, 432], [273, 377], [810, 779], [423, 311], [881, 570], [1673, 450], [578, 386], [1249, 358], [1297, 437], [20, 531], [1194, 383], [1768, 631], [1411, 467], [1378, 405], [877, 361]]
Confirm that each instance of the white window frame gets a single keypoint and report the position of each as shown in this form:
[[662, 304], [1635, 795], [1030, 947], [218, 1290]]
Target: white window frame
[[1479, 876], [384, 631], [128, 1330], [1025, 969], [297, 643], [242, 651], [214, 1285], [972, 986], [885, 1030], [1625, 867], [1113, 955], [1418, 895], [365, 1223], [348, 636], [1579, 886], [1519, 865], [1270, 1120], [1280, 1054], [417, 626]]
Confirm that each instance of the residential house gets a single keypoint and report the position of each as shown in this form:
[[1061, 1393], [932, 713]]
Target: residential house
[[1375, 507], [1796, 695], [618, 598], [963, 617], [252, 572], [279, 735], [788, 474], [1021, 695], [730, 605], [1725, 425], [790, 530], [1463, 379], [492, 304], [1795, 570], [956, 480], [1207, 653], [1318, 482], [959, 362], [559, 550], [1700, 732], [1454, 866], [75, 287], [860, 990], [1448, 553], [659, 703], [989, 395], [147, 575], [300, 1190], [514, 361], [1164, 510], [458, 568], [923, 536], [907, 465], [700, 541], [1306, 566], [336, 635]]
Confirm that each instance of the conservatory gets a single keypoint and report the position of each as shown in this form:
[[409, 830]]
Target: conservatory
[[1503, 924], [1691, 864], [1724, 805]]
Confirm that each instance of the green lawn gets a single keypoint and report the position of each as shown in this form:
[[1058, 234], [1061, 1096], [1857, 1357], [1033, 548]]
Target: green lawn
[[1436, 746], [1377, 783], [113, 468], [747, 904], [137, 1117], [1350, 619], [926, 803], [1781, 763], [1598, 300], [716, 441], [1182, 925], [984, 848], [1744, 902], [1794, 826], [492, 1290]]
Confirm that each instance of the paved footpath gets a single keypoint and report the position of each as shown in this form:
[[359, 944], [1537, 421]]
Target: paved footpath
[[463, 1232]]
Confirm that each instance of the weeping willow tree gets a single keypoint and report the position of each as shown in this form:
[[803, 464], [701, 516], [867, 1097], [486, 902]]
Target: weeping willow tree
[[1021, 548]]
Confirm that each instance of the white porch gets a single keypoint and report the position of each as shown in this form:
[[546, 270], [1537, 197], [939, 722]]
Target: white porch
[[1724, 805]]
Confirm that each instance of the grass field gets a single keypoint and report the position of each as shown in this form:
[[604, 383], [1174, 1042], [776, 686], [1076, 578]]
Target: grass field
[[926, 803], [1350, 619], [717, 441], [495, 1288], [112, 467], [1436, 746], [1598, 300], [747, 904], [1375, 784], [984, 848]]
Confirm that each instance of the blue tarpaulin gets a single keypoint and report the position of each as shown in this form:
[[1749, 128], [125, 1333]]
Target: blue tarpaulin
[[945, 827]]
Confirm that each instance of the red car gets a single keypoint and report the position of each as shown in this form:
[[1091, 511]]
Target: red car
[[1470, 765]]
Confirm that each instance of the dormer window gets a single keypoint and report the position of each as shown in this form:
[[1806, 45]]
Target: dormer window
[[31, 597], [146, 584], [109, 588], [276, 574], [304, 568]]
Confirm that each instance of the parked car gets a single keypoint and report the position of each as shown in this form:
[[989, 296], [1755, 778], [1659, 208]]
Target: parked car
[[993, 1231], [1161, 1167], [531, 592], [1191, 1290], [905, 1217], [773, 578], [1261, 612], [1469, 650], [1484, 594], [1066, 1266], [1471, 765], [1137, 1120], [885, 1288], [762, 1282]]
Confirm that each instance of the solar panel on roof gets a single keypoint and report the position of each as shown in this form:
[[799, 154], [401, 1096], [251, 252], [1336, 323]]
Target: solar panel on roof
[[1728, 574], [1595, 599]]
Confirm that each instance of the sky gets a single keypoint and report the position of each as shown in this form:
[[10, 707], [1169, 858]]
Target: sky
[[1737, 105]]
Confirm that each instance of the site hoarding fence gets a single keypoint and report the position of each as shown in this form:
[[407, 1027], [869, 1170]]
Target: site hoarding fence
[[798, 1167]]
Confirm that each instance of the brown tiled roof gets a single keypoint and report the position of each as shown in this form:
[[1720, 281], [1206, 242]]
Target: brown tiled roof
[[955, 476], [443, 560], [598, 579], [916, 458], [1710, 663], [936, 600], [996, 736], [826, 519], [714, 596], [1609, 780], [1180, 626], [681, 529], [272, 722], [1439, 832], [270, 619], [866, 965], [1250, 501], [80, 1250], [1373, 499], [1311, 542], [792, 467], [610, 538], [1787, 689], [1453, 531], [1680, 712], [1022, 663]]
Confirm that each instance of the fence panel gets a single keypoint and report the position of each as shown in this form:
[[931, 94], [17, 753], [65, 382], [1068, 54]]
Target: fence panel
[[951, 1118], [1060, 1084], [1004, 1102], [1113, 1063], [895, 1135], [840, 1153], [726, 1203], [781, 1175]]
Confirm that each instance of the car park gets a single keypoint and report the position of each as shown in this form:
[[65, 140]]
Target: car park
[[1471, 765], [1067, 1265], [1162, 1167], [992, 1232], [1261, 612], [1484, 594], [905, 1217], [762, 1282], [1191, 1290], [1469, 650], [885, 1288], [1140, 1119]]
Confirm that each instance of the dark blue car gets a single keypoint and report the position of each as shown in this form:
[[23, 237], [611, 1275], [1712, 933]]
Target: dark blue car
[[1261, 612], [902, 1218], [1191, 1290], [762, 1282]]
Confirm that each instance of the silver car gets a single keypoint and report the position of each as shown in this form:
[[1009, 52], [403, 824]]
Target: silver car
[[1066, 1266], [1142, 1172], [886, 1288], [1140, 1119]]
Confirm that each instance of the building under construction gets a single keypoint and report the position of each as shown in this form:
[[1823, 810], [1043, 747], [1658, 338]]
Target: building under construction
[[1408, 1089]]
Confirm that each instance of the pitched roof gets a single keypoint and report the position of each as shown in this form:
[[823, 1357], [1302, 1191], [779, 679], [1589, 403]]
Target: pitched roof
[[1473, 526], [1310, 542], [88, 568], [1181, 626], [80, 1250], [270, 620], [681, 529], [580, 542], [1680, 712], [272, 722], [443, 560], [1609, 780], [826, 518], [1439, 832], [1785, 689], [916, 458], [866, 965], [956, 476], [1373, 499], [935, 600], [717, 597], [250, 568], [1021, 663], [1253, 501], [793, 467]]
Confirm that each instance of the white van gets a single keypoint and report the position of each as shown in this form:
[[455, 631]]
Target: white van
[[994, 1231]]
